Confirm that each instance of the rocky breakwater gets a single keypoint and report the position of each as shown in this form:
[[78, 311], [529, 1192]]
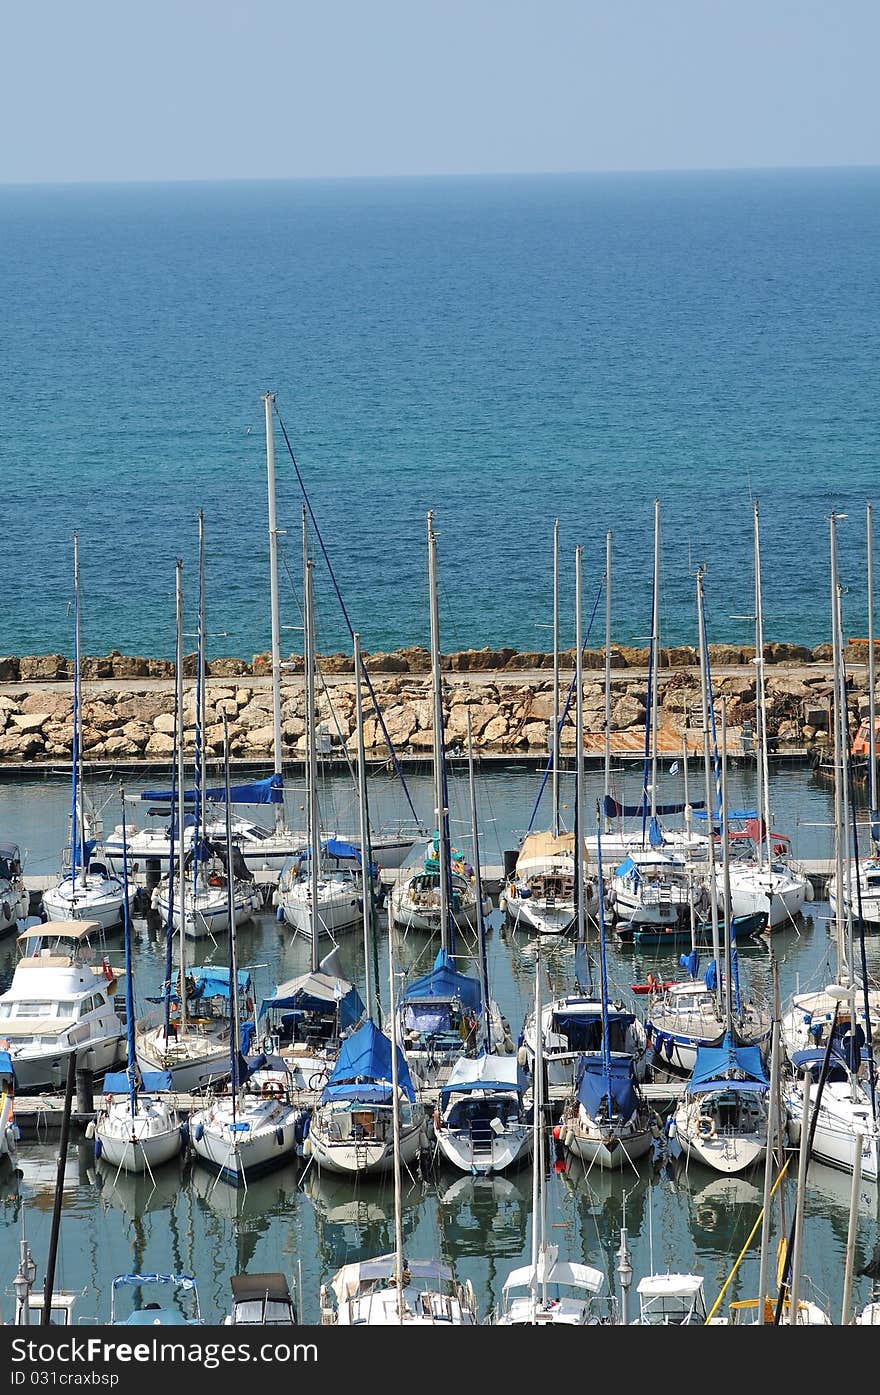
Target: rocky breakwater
[[128, 703]]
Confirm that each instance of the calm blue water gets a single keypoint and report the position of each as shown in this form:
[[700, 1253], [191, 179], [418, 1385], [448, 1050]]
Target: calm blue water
[[500, 350]]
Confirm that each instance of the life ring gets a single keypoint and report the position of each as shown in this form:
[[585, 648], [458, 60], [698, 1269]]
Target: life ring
[[215, 880], [268, 1045], [272, 1090], [706, 1126], [108, 970], [779, 850]]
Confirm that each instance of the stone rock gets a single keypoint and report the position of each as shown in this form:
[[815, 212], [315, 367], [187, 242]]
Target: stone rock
[[29, 722], [262, 737], [789, 687], [823, 653], [138, 733], [164, 723], [416, 659], [10, 669], [400, 724], [633, 658], [527, 659], [627, 712], [479, 660], [43, 667], [255, 713], [100, 716], [725, 655], [159, 744], [130, 666], [495, 730], [335, 663], [20, 745], [59, 705], [680, 656], [786, 654], [160, 668]]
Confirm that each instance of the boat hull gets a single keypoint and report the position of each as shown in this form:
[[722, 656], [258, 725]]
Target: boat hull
[[154, 1136], [365, 1157]]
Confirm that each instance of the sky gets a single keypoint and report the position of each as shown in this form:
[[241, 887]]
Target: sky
[[219, 89]]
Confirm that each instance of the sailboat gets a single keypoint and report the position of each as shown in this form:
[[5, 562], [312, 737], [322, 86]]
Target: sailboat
[[481, 1123], [548, 1290], [187, 1030], [845, 1009], [87, 890], [860, 874], [137, 1126], [722, 1119], [764, 879], [444, 1014], [573, 1023], [214, 867], [394, 1289], [687, 1014], [540, 894], [607, 1121], [320, 890], [240, 1132]]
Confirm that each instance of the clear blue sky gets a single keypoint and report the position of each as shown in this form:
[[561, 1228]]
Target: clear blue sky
[[205, 89]]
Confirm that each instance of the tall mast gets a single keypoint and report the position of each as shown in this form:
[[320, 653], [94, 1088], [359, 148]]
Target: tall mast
[[478, 877], [655, 644], [311, 715], [395, 1124], [554, 746], [608, 674], [78, 840], [439, 784], [763, 761], [872, 739], [200, 714], [728, 969], [537, 1135], [579, 759], [268, 403], [366, 853], [234, 1028], [181, 802], [838, 718], [710, 801]]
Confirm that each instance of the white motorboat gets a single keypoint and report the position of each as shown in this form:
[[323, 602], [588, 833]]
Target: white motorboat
[[14, 896], [650, 890], [482, 1125], [397, 1291], [61, 1001], [262, 1300], [671, 1300]]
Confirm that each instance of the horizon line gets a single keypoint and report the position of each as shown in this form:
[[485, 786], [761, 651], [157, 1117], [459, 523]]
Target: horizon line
[[153, 180]]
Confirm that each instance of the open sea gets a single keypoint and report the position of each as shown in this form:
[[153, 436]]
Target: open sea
[[501, 351]]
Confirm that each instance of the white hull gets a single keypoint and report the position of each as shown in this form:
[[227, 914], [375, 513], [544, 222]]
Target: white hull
[[414, 909], [724, 1150], [536, 916], [865, 904], [141, 1144], [15, 905], [74, 901], [606, 1148], [837, 1121], [265, 1136], [339, 909], [364, 1157], [782, 894], [194, 1059], [504, 1150], [207, 914], [47, 1070]]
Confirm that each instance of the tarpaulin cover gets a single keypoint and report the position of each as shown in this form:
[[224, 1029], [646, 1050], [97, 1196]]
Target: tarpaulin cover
[[483, 1073], [444, 981], [318, 992], [596, 1081], [714, 1064], [365, 1057], [117, 1082], [613, 809], [268, 791]]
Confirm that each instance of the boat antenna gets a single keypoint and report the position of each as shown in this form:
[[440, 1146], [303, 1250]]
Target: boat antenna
[[131, 1070]]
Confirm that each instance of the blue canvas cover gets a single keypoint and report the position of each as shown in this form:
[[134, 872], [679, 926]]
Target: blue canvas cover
[[444, 981], [268, 791], [364, 1062], [208, 981], [150, 1082], [715, 1065], [613, 809], [6, 1065], [596, 1082]]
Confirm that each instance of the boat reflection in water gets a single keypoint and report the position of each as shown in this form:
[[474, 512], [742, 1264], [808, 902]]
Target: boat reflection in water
[[354, 1220], [138, 1194], [484, 1219]]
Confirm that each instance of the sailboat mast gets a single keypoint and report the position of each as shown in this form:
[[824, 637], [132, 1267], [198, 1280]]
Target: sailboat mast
[[607, 674], [234, 1028], [838, 709], [655, 646], [763, 760], [537, 1133], [872, 738], [579, 898], [269, 403], [439, 784], [554, 745], [200, 699], [79, 813], [366, 854], [181, 802], [478, 878], [710, 801], [728, 968], [845, 812], [311, 715], [131, 1060], [395, 1124]]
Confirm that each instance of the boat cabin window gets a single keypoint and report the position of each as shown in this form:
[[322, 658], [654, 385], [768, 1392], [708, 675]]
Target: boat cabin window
[[268, 1313], [61, 1007]]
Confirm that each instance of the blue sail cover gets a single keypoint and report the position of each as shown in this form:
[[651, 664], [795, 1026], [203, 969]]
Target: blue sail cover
[[715, 1064], [150, 1082], [268, 791], [363, 1064], [209, 981], [613, 809], [596, 1082], [444, 981]]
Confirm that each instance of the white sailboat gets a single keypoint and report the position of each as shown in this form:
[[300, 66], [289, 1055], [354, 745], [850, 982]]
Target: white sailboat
[[242, 1132], [548, 1291], [87, 890], [843, 1010], [137, 1126]]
